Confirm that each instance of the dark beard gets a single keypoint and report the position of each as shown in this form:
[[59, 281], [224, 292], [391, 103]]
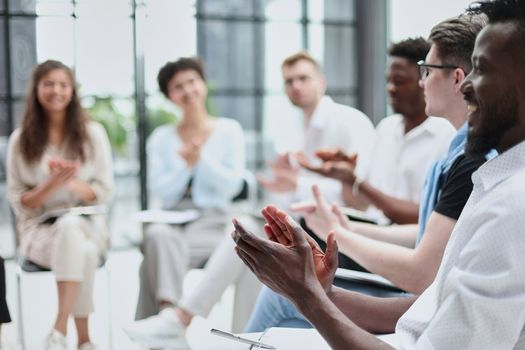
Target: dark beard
[[494, 122]]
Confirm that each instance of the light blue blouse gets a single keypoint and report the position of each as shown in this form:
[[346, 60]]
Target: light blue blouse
[[217, 176]]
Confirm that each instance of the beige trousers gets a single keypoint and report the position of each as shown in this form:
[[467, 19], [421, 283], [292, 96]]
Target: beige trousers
[[169, 251], [75, 252]]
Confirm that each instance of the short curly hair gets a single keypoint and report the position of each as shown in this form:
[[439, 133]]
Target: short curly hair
[[168, 71], [500, 11], [413, 49]]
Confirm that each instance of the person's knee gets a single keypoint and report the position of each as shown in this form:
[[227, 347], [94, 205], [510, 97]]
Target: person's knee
[[157, 236], [91, 255], [69, 231], [157, 233]]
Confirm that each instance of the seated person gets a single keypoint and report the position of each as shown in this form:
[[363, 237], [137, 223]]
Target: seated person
[[407, 143], [60, 159], [394, 252], [327, 124], [197, 163], [476, 298]]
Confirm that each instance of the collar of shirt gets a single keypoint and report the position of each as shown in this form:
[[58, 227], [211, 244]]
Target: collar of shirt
[[426, 127], [320, 115], [500, 168]]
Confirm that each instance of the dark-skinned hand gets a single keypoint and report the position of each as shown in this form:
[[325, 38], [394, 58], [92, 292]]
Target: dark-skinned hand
[[290, 262]]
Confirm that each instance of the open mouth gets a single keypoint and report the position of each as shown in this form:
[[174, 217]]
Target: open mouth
[[472, 108], [473, 113]]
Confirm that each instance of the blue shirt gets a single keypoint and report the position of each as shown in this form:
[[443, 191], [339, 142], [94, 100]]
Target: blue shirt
[[215, 179], [437, 175]]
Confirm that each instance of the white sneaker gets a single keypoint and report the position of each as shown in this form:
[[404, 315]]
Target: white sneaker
[[160, 331], [87, 346], [56, 341]]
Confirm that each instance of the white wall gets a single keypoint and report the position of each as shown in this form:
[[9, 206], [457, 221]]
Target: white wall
[[410, 18]]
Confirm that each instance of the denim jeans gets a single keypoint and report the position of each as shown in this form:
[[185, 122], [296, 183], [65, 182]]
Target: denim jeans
[[273, 310]]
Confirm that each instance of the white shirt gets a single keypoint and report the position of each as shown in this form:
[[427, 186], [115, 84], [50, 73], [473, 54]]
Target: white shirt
[[332, 125], [477, 300], [400, 160]]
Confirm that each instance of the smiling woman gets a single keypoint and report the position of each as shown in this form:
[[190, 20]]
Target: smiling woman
[[60, 159]]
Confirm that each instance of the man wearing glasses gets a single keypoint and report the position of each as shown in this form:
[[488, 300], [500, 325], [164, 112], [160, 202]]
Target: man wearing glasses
[[476, 300], [407, 255]]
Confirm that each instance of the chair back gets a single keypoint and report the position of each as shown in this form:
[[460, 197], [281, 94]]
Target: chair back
[[14, 228], [248, 193]]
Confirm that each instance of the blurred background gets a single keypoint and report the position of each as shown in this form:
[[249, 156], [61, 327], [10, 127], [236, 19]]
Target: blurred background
[[116, 48]]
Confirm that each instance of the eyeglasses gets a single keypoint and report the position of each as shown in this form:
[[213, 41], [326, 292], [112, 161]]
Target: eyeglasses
[[424, 68]]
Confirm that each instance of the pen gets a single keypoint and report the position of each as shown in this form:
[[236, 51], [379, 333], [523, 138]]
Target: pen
[[242, 340]]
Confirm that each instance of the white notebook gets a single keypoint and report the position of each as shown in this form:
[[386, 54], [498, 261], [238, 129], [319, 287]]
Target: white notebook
[[167, 216], [86, 210]]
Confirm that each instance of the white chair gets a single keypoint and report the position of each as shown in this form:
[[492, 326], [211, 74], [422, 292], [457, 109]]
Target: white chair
[[26, 267]]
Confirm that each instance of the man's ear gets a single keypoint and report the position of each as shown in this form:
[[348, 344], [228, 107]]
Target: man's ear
[[459, 76]]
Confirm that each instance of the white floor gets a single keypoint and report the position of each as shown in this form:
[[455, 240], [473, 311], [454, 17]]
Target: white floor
[[39, 306]]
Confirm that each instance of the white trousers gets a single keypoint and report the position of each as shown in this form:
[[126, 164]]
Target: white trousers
[[222, 269]]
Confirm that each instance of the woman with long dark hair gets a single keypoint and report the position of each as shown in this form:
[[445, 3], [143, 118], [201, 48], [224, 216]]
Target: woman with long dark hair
[[60, 159]]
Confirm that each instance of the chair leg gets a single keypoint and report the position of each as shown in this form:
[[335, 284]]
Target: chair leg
[[20, 311]]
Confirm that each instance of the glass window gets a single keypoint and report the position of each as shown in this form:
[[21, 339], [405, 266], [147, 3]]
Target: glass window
[[3, 139], [278, 10], [227, 7], [3, 52], [105, 55], [228, 53], [282, 123], [100, 9], [23, 52], [345, 99], [25, 6], [160, 111], [339, 10], [280, 41], [18, 112], [118, 118], [161, 42], [3, 119], [125, 201], [240, 108], [339, 59], [54, 8], [55, 39]]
